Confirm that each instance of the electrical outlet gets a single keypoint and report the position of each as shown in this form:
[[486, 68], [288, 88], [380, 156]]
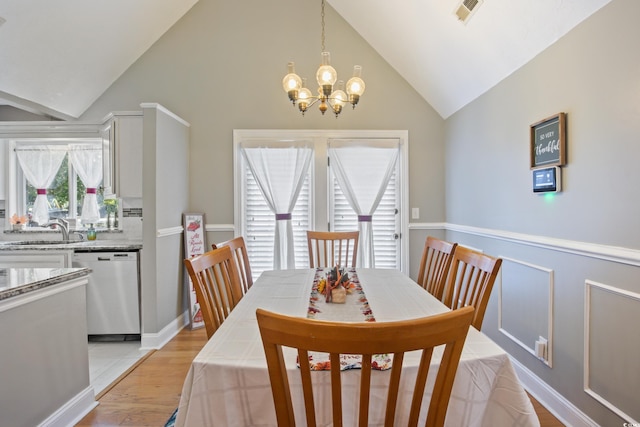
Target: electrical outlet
[[541, 348], [415, 213]]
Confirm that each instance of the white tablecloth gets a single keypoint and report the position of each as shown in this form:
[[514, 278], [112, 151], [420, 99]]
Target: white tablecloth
[[228, 384]]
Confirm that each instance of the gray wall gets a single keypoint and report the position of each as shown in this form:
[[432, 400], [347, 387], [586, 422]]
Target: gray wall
[[592, 74], [221, 68], [12, 114], [165, 188]]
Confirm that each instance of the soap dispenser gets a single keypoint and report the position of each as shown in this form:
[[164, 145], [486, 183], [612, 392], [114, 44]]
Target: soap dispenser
[[91, 233]]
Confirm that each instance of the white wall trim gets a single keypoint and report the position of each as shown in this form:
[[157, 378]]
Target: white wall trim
[[165, 111], [560, 407], [593, 250], [155, 341], [427, 225], [220, 227], [549, 333], [73, 411], [589, 284], [169, 231]]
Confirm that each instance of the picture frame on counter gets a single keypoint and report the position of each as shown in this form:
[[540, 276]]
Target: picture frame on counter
[[548, 142], [195, 243]]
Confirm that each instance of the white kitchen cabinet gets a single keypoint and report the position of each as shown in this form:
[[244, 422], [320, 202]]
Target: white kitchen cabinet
[[122, 155], [36, 258]]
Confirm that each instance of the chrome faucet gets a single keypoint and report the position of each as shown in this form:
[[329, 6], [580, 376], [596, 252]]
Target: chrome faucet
[[61, 223]]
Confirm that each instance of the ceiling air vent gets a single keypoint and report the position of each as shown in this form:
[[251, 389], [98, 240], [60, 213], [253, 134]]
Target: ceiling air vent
[[466, 8]]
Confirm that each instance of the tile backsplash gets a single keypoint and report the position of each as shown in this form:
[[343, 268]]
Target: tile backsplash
[[132, 212]]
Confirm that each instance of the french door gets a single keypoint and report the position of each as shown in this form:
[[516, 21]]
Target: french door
[[321, 204]]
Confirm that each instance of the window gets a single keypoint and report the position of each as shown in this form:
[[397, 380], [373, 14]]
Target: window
[[65, 193], [260, 224], [385, 222], [321, 203]]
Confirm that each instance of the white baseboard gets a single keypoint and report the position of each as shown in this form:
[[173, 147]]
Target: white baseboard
[[560, 407], [155, 341], [73, 411]]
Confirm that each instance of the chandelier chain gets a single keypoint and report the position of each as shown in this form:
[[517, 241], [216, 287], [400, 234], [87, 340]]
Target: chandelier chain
[[322, 26]]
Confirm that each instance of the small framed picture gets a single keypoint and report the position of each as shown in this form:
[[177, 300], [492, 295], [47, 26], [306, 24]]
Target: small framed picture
[[548, 142], [195, 243]]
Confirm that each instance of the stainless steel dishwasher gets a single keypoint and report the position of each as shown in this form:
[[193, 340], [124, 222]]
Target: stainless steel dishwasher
[[113, 294]]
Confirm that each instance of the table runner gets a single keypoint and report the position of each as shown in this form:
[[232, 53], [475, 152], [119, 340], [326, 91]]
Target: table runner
[[355, 309]]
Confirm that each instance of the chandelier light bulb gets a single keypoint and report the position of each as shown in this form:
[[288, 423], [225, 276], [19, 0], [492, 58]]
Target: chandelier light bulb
[[304, 98], [355, 86], [292, 83], [326, 75], [339, 98]]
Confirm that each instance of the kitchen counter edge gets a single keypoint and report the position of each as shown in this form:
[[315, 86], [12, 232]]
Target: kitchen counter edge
[[84, 246], [58, 275]]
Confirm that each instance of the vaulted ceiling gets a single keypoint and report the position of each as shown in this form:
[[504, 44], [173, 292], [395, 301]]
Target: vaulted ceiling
[[53, 62]]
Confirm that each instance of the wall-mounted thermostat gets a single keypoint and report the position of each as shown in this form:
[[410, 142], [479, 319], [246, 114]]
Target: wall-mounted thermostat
[[547, 180]]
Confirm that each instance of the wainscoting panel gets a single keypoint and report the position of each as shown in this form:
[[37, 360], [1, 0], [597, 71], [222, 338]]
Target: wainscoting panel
[[612, 348], [524, 287]]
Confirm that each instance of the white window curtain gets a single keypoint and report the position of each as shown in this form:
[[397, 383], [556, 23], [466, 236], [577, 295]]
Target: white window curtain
[[87, 162], [363, 187], [40, 165], [279, 173]]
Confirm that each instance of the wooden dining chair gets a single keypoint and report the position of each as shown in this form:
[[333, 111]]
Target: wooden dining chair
[[239, 250], [434, 265], [470, 281], [331, 248], [217, 284], [365, 339]]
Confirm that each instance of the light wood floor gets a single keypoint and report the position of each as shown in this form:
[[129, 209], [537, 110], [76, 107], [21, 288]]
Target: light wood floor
[[149, 393]]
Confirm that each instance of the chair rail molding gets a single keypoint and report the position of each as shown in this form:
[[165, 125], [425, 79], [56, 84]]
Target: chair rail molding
[[169, 231], [592, 250], [220, 228], [427, 226]]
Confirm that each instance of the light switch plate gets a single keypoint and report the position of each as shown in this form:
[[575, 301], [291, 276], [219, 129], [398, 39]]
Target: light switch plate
[[415, 213]]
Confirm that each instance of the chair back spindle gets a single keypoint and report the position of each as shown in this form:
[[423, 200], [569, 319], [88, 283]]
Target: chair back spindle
[[239, 251], [470, 281], [217, 285], [434, 265], [331, 248]]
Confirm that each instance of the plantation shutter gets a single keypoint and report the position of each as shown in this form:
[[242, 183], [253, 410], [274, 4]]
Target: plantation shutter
[[363, 170], [385, 222], [261, 227]]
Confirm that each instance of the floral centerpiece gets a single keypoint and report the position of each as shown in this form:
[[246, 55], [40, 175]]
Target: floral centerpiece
[[335, 286], [18, 222]]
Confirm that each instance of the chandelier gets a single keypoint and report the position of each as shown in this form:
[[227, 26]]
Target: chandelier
[[331, 91]]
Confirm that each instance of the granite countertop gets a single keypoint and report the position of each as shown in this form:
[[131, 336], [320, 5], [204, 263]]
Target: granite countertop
[[18, 281], [78, 246]]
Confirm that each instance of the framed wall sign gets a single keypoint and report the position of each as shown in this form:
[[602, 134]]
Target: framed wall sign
[[195, 243], [548, 142]]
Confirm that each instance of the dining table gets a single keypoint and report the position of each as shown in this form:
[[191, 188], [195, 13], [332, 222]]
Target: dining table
[[228, 382]]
